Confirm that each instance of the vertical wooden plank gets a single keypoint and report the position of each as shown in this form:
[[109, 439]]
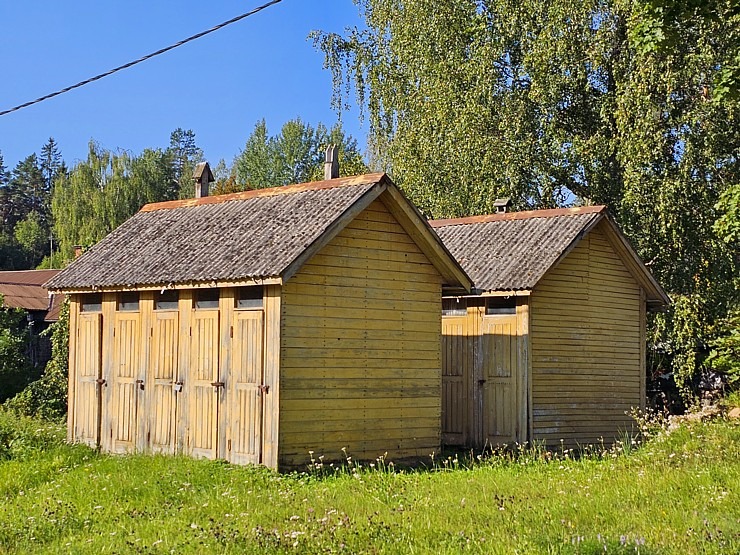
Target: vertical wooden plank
[[185, 310], [225, 373], [74, 311], [643, 347], [523, 370], [146, 404], [108, 406], [272, 353]]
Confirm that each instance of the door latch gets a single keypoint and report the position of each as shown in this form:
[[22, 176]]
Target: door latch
[[178, 387], [100, 381], [217, 384], [263, 389], [481, 382], [140, 384]]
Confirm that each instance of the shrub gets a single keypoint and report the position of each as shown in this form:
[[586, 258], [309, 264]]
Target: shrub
[[47, 396]]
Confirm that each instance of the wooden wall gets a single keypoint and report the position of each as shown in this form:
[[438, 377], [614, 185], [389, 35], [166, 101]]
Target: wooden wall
[[587, 330], [143, 380], [360, 355]]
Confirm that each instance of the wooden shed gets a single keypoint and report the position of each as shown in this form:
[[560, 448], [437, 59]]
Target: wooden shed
[[551, 347], [259, 326]]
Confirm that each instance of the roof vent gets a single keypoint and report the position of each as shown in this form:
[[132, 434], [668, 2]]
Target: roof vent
[[502, 205], [331, 165], [203, 177]]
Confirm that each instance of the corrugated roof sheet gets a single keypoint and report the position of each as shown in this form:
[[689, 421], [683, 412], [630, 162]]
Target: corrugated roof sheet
[[250, 235], [23, 289], [512, 251]]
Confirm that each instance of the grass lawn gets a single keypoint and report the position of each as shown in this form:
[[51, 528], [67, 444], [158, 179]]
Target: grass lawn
[[678, 493]]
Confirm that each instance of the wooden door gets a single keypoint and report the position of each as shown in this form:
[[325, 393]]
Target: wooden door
[[126, 388], [204, 387], [88, 379], [244, 392], [499, 361], [164, 389], [459, 337]]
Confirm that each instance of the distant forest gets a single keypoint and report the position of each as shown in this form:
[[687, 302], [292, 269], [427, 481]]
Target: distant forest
[[47, 207]]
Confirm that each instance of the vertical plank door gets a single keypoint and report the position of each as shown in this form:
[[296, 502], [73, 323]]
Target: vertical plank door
[[458, 360], [202, 383], [163, 389], [88, 383], [500, 363], [126, 388], [243, 389]]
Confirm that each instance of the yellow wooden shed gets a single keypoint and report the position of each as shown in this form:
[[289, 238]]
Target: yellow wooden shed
[[260, 326], [550, 348]]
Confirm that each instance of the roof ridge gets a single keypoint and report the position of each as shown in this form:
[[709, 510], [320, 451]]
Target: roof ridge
[[524, 215], [364, 179]]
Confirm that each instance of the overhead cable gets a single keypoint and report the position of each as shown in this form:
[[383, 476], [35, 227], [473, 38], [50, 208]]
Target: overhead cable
[[142, 59]]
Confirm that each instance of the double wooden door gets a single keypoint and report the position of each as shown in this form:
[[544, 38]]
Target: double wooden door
[[480, 379], [224, 412]]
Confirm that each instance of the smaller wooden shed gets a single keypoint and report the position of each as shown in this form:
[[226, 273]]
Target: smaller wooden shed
[[260, 326], [551, 347]]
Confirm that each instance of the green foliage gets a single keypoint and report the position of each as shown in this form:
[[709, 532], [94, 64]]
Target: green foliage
[[555, 102], [660, 25], [103, 191], [725, 355], [670, 496], [47, 397], [295, 155], [23, 438], [32, 236], [15, 368]]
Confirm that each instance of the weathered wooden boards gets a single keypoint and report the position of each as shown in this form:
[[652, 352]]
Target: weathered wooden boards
[[360, 352]]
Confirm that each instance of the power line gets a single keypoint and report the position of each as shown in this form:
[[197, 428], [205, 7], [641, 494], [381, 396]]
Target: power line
[[142, 59]]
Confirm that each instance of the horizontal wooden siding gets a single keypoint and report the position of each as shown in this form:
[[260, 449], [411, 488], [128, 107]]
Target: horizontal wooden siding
[[586, 340], [360, 355]]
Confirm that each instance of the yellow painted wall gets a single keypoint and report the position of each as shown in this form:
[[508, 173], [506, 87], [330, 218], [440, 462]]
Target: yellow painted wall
[[360, 348], [586, 328]]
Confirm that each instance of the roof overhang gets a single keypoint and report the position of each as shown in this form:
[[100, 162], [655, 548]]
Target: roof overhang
[[655, 297], [165, 286], [412, 222]]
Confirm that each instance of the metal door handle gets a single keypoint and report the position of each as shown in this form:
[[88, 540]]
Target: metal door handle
[[217, 384]]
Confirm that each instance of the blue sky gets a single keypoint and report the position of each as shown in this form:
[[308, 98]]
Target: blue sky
[[218, 86]]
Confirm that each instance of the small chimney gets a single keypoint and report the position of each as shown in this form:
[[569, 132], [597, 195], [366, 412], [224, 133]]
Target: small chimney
[[203, 177], [78, 251], [502, 205], [331, 165]]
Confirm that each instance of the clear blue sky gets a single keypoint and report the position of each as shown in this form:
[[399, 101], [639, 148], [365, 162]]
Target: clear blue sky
[[218, 85]]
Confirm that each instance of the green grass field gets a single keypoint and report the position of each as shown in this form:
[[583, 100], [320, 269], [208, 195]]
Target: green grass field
[[678, 493]]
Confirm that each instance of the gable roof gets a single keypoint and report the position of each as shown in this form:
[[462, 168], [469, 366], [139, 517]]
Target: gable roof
[[513, 251], [24, 289], [253, 236]]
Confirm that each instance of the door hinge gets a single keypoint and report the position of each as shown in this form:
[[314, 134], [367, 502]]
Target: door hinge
[[231, 332]]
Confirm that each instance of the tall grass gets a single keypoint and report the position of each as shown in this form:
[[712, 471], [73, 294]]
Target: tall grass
[[675, 494]]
